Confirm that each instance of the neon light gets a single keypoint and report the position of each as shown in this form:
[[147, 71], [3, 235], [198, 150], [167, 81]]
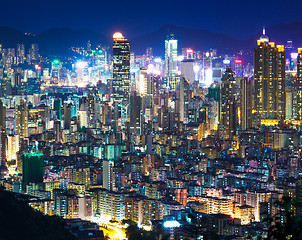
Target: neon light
[[238, 61]]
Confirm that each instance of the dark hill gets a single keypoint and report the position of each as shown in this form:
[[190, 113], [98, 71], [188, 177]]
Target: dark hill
[[20, 221]]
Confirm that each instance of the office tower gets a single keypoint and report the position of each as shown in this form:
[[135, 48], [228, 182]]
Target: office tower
[[121, 75], [183, 98], [289, 102], [207, 67], [57, 103], [149, 55], [135, 113], [32, 168], [170, 56], [228, 119], [108, 175], [2, 116], [57, 130], [21, 123], [269, 78], [246, 103], [83, 112], [67, 116], [299, 85], [143, 81], [187, 70], [173, 83]]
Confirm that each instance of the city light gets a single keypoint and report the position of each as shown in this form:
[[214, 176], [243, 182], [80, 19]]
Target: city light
[[118, 35], [238, 61], [208, 77], [81, 64], [196, 68], [171, 224], [294, 55], [180, 58], [157, 60], [226, 61], [156, 142]]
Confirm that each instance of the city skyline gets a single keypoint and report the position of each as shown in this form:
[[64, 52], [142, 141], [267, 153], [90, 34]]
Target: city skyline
[[196, 141]]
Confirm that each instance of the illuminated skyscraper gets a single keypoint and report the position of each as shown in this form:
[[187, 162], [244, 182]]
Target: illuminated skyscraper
[[269, 77], [121, 74], [21, 123], [34, 52], [228, 119], [2, 116], [57, 104], [299, 85], [108, 174], [246, 103], [135, 113], [170, 56], [20, 53]]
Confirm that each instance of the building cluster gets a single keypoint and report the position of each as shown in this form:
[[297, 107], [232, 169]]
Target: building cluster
[[197, 142]]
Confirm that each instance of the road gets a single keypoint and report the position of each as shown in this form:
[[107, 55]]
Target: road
[[113, 232]]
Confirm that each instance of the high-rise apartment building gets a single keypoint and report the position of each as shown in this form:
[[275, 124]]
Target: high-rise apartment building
[[2, 116], [246, 103], [299, 85], [121, 75], [269, 77], [21, 122], [228, 119]]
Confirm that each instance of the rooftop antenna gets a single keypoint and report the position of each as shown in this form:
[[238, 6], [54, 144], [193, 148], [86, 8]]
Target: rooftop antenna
[[263, 31]]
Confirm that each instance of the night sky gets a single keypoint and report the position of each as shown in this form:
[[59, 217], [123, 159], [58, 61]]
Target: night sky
[[239, 19]]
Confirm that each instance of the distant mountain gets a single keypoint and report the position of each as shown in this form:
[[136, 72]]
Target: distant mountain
[[193, 38], [57, 41], [204, 40]]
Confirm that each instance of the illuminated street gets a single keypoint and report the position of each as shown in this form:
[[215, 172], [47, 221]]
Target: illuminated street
[[113, 232]]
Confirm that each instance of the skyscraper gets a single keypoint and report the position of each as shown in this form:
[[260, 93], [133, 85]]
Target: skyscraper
[[228, 119], [22, 120], [170, 56], [269, 77], [57, 103], [246, 103], [34, 52], [299, 85], [121, 75], [135, 113], [2, 116]]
